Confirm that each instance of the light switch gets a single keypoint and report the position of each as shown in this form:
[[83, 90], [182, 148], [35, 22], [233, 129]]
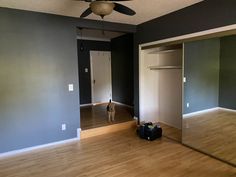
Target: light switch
[[63, 127], [187, 105], [71, 87], [86, 70], [184, 79]]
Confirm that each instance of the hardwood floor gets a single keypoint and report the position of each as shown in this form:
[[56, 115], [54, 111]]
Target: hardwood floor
[[96, 116], [121, 154], [213, 133], [171, 132]]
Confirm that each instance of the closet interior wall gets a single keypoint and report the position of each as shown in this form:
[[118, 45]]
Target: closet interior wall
[[161, 86]]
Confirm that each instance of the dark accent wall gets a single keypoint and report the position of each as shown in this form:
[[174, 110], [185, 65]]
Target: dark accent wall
[[201, 69], [202, 16], [122, 69], [227, 97], [84, 62], [38, 59]]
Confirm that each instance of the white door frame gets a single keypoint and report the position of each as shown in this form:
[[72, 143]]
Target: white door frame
[[92, 79]]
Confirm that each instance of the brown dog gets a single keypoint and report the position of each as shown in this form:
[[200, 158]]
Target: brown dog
[[111, 111]]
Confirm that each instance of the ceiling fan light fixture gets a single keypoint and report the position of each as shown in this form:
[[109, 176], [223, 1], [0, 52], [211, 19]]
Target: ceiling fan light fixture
[[102, 8]]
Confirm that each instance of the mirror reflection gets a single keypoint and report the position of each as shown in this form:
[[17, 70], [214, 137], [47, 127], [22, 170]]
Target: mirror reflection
[[209, 120]]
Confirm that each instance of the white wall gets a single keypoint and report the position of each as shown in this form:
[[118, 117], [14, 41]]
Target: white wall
[[170, 89], [148, 89]]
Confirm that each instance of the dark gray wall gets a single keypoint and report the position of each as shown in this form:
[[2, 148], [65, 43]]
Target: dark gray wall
[[228, 73], [202, 16], [122, 69], [84, 62], [201, 69], [38, 59]]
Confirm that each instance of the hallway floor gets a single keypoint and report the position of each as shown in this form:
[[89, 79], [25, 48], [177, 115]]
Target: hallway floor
[[96, 116]]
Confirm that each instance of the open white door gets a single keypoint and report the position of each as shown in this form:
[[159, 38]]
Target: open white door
[[101, 88]]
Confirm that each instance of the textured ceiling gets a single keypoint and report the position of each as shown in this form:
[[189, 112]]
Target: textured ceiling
[[145, 9]]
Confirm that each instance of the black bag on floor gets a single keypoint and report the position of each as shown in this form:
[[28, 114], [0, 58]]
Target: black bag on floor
[[149, 131]]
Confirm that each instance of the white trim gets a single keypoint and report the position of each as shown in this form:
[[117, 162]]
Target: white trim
[[33, 148], [189, 115], [183, 69], [84, 105], [78, 133], [110, 75], [91, 75], [95, 104], [122, 104], [191, 35], [226, 109], [135, 118], [139, 70], [94, 39]]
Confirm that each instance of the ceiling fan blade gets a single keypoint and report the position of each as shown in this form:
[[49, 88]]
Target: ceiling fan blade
[[101, 0], [84, 0], [86, 13], [123, 9]]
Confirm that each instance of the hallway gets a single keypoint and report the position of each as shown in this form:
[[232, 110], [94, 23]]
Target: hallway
[[96, 116]]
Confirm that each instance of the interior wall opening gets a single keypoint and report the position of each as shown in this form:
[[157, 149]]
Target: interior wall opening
[[105, 60]]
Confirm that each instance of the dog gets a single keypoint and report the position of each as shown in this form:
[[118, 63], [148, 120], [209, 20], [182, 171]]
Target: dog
[[111, 111]]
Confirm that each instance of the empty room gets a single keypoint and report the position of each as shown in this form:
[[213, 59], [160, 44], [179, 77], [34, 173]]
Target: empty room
[[125, 88]]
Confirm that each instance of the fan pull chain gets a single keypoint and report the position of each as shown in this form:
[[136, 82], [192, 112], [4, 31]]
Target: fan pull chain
[[103, 26]]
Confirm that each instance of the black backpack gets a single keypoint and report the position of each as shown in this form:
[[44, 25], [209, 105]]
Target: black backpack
[[149, 131]]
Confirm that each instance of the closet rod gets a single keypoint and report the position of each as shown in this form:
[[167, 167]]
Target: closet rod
[[164, 67]]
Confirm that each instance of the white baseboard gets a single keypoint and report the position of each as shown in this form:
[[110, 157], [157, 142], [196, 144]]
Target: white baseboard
[[93, 104], [226, 109], [33, 148], [84, 105], [189, 115], [135, 118], [185, 116], [78, 133], [122, 104]]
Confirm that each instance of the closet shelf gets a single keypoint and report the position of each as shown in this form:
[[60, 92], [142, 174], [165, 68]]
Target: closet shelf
[[164, 67]]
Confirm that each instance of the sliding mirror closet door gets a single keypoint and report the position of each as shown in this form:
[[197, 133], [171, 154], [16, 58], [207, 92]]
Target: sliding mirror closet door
[[209, 120], [161, 88]]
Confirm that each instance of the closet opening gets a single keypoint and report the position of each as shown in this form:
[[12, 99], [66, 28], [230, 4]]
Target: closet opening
[[160, 84]]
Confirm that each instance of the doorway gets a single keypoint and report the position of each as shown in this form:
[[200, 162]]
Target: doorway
[[101, 89], [105, 60]]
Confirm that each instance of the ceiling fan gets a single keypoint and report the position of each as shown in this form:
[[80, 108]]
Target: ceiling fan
[[105, 7]]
